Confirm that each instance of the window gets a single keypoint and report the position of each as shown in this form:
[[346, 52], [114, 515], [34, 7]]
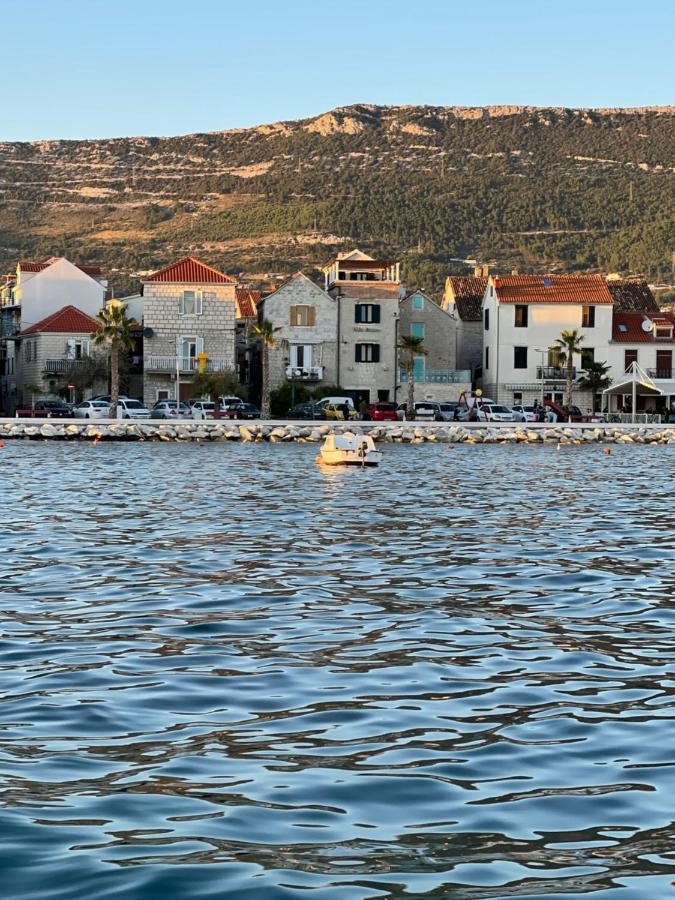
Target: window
[[521, 316], [588, 317], [520, 357], [623, 328], [190, 304], [419, 363], [486, 319], [664, 363], [517, 398], [487, 357], [77, 349], [629, 357], [303, 316], [417, 330], [587, 356], [367, 353], [418, 302], [664, 331], [367, 312], [28, 353], [301, 356]]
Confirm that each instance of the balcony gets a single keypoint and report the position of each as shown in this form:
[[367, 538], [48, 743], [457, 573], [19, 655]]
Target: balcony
[[666, 373], [554, 373], [59, 366], [304, 373], [439, 376], [187, 364]]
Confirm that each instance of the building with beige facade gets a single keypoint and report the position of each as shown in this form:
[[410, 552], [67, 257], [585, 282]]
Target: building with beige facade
[[305, 318], [463, 300], [189, 309]]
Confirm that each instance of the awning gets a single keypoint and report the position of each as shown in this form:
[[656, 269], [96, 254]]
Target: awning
[[637, 383]]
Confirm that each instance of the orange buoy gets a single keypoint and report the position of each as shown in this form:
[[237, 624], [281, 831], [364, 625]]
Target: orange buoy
[[607, 451], [2, 444]]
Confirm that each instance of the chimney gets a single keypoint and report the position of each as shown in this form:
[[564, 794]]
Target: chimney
[[486, 271], [477, 271], [514, 271]]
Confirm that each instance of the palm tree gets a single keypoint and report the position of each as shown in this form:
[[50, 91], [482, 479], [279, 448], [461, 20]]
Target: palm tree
[[114, 329], [595, 379], [266, 333], [411, 347], [566, 346]]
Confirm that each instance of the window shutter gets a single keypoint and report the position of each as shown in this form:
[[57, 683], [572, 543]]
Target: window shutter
[[200, 345], [70, 348], [85, 348], [311, 315], [376, 312], [376, 353], [358, 310], [199, 303], [294, 314], [357, 352], [181, 305]]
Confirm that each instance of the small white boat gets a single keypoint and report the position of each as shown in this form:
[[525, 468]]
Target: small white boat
[[349, 450]]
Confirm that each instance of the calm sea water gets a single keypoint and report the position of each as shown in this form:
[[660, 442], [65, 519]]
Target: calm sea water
[[228, 673]]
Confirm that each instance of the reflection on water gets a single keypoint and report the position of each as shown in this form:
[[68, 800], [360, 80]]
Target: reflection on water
[[226, 672]]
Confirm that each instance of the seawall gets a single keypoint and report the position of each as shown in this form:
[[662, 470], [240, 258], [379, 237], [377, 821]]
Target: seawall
[[308, 432]]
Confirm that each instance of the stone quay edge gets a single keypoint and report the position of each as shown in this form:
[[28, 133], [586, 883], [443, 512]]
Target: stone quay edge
[[278, 431]]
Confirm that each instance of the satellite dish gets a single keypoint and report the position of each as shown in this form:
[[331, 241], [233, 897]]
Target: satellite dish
[[148, 332], [647, 325]]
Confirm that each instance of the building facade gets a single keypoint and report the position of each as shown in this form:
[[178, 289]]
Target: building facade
[[463, 299], [367, 292], [436, 374], [307, 319], [645, 339], [523, 316], [189, 309]]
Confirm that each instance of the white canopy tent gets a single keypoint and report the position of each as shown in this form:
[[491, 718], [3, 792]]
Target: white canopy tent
[[637, 383]]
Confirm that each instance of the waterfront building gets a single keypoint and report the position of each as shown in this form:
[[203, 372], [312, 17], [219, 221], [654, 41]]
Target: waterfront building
[[246, 311], [436, 374], [367, 292], [463, 299], [306, 317], [52, 353], [645, 339], [189, 309], [32, 293], [523, 316]]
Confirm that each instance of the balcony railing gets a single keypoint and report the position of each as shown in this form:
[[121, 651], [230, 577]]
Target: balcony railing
[[187, 364], [439, 376], [660, 373], [304, 373], [553, 373], [58, 366]]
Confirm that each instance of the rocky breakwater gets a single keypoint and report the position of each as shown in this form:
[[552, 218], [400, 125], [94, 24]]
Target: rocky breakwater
[[390, 432]]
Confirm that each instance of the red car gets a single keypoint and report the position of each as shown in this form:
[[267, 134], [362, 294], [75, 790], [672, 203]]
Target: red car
[[382, 412], [566, 413]]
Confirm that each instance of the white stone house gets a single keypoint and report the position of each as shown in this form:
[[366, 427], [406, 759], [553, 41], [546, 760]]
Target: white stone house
[[435, 374], [307, 319], [648, 339], [189, 309], [47, 351], [523, 316], [368, 292]]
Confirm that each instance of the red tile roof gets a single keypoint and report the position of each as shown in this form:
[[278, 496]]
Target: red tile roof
[[467, 291], [627, 327], [39, 267], [247, 303], [67, 320], [190, 271], [552, 289]]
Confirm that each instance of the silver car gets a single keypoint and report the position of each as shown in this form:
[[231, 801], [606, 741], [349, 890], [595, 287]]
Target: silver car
[[92, 409], [166, 409]]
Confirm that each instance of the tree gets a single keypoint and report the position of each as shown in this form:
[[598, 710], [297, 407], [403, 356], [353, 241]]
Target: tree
[[596, 379], [217, 384], [84, 373], [115, 329], [566, 346], [411, 347], [266, 334]]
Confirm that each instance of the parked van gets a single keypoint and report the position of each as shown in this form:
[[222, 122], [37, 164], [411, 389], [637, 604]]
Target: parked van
[[338, 401]]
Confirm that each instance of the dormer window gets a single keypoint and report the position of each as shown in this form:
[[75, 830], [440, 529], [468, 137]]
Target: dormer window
[[664, 332], [623, 328]]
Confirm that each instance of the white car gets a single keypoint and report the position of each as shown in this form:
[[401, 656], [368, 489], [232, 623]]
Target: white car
[[132, 409], [524, 413], [425, 411], [92, 409], [498, 413], [204, 409]]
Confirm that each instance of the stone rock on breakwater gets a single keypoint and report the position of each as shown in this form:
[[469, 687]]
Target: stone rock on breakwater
[[408, 433]]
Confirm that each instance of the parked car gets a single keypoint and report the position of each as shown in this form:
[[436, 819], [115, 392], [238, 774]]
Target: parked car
[[168, 409], [425, 410], [229, 401], [335, 411], [498, 413], [204, 409], [106, 398], [242, 410], [447, 409], [306, 411], [523, 413], [56, 409], [382, 412], [325, 401], [132, 409], [92, 409]]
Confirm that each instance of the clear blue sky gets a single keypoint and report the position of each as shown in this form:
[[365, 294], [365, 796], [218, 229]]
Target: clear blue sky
[[96, 68]]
